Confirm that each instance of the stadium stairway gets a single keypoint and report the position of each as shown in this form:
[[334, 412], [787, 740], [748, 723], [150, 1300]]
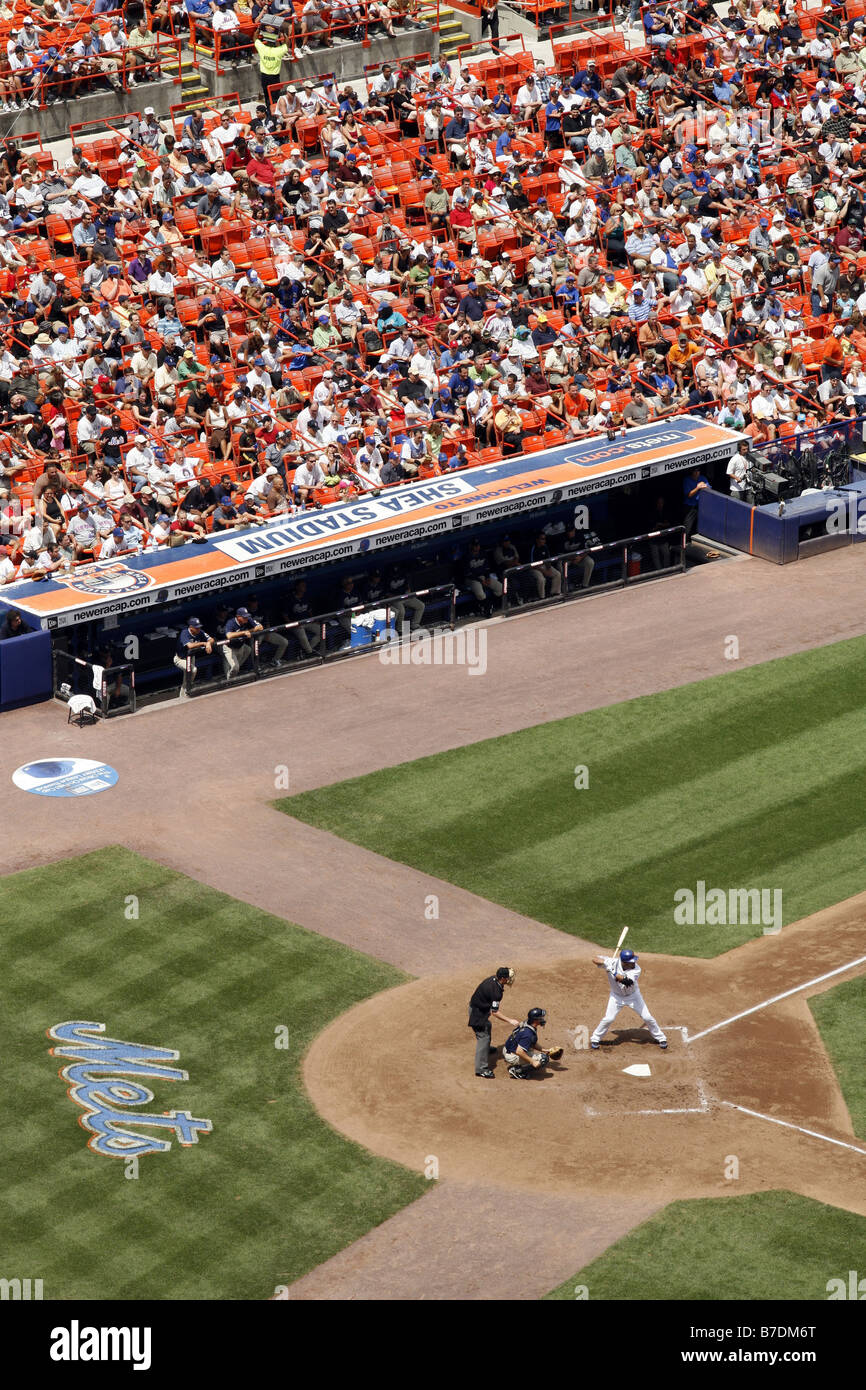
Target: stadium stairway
[[194, 88], [190, 81], [191, 86], [451, 34]]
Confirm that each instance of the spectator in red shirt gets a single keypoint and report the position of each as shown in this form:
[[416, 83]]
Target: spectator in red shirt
[[238, 156], [261, 170]]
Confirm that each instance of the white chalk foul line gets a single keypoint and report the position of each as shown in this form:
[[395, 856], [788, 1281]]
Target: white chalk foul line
[[686, 1110], [819, 979], [786, 1124]]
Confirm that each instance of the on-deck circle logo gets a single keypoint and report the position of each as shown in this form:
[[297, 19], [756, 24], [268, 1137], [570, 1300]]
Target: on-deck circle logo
[[107, 580], [64, 777]]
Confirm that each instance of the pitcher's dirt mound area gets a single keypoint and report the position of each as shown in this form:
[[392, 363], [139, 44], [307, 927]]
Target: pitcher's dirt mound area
[[396, 1075]]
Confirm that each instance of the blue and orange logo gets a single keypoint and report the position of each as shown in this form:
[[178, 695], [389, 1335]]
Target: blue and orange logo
[[108, 580], [97, 1081]]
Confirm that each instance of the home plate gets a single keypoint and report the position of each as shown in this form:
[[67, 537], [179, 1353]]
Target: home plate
[[639, 1069]]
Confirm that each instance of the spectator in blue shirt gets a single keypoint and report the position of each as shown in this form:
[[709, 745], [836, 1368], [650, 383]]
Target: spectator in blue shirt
[[473, 305], [568, 293], [661, 379], [639, 309], [722, 89], [460, 384], [451, 356], [455, 133], [701, 400], [587, 79], [169, 325], [553, 113], [389, 319], [443, 407], [84, 233]]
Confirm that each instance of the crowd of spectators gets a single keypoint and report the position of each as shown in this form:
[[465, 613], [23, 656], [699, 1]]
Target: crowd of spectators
[[216, 321], [238, 31], [59, 51]]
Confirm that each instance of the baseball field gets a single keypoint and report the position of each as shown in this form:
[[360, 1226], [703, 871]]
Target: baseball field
[[216, 981], [303, 962], [601, 819]]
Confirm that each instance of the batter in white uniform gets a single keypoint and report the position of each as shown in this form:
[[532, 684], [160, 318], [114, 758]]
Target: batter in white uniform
[[622, 974]]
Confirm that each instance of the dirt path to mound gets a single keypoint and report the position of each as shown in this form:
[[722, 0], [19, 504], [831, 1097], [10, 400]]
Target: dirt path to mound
[[196, 780], [477, 1240]]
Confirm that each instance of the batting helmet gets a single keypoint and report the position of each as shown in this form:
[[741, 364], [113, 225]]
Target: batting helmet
[[627, 959], [537, 1017]]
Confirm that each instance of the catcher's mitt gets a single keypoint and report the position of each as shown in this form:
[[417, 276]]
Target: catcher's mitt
[[555, 1053]]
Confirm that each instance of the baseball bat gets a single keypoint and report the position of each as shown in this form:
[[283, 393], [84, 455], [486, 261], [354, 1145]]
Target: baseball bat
[[623, 935]]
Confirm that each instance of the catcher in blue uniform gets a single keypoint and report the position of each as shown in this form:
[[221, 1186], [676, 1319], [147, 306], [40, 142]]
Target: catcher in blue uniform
[[521, 1051]]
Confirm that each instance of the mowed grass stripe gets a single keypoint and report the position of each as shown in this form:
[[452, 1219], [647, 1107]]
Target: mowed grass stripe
[[773, 780], [803, 839], [741, 781], [272, 1191], [767, 1245]]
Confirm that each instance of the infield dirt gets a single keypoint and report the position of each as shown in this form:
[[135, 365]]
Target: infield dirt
[[396, 1075]]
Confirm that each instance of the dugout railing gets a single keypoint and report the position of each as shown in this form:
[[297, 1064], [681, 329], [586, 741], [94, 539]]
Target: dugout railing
[[338, 634], [624, 560], [322, 638]]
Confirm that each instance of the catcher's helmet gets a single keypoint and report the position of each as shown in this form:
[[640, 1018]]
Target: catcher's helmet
[[537, 1017], [627, 959]]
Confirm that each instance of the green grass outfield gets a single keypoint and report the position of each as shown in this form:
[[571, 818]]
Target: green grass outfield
[[272, 1191], [756, 778], [839, 1015], [768, 1245]]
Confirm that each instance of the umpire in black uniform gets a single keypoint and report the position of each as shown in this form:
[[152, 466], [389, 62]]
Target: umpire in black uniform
[[484, 1002]]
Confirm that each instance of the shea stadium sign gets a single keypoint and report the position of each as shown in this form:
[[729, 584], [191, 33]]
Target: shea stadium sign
[[508, 488]]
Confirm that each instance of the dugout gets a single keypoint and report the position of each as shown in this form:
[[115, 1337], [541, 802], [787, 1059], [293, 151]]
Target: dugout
[[134, 606]]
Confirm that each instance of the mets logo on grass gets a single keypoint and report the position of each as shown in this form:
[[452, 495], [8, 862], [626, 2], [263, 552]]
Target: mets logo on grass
[[105, 1078], [106, 580]]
